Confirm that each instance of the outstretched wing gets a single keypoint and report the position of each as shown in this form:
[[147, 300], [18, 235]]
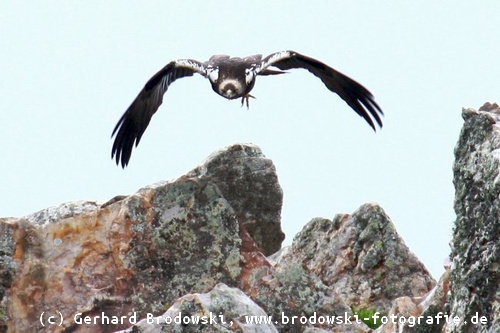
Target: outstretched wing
[[353, 93], [135, 120]]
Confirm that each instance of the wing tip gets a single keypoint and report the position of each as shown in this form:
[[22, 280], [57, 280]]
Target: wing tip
[[123, 144]]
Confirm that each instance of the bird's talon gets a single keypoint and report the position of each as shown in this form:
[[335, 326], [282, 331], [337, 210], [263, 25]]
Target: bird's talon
[[245, 99]]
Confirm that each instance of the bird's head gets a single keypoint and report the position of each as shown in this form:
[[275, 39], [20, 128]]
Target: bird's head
[[229, 91], [229, 88]]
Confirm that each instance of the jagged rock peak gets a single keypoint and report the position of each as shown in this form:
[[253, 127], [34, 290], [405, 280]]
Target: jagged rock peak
[[475, 273], [249, 182], [361, 256], [138, 253], [198, 244]]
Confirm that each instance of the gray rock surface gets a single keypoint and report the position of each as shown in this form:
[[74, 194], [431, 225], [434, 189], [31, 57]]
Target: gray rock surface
[[361, 257], [134, 254], [469, 290], [249, 183], [221, 310], [198, 245], [475, 275]]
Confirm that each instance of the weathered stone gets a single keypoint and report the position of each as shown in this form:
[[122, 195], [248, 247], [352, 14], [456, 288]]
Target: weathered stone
[[475, 274], [135, 254], [419, 314], [290, 293], [61, 212], [293, 293], [361, 257], [248, 181], [8, 265], [428, 317], [221, 310], [139, 254], [197, 245]]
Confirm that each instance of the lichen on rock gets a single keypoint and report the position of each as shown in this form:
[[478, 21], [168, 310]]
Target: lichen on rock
[[475, 275], [249, 182], [362, 257], [209, 242]]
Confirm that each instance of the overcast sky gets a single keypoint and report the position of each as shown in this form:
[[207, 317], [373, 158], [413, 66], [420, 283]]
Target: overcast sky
[[70, 69]]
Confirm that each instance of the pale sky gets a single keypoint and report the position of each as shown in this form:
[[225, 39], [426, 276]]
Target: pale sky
[[70, 69]]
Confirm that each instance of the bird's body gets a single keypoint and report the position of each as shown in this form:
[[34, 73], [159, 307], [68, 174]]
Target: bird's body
[[232, 78]]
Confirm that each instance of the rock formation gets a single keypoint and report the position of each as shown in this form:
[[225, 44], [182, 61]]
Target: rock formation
[[361, 256], [468, 293], [202, 253], [475, 276]]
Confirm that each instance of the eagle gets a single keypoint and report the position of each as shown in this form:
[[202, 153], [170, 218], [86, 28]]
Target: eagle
[[232, 78]]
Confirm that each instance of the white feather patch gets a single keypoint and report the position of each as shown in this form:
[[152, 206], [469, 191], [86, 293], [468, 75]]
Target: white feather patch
[[273, 58], [249, 75], [213, 74], [194, 65]]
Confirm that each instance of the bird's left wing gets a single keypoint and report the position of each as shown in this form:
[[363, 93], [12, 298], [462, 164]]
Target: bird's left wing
[[353, 93], [135, 120]]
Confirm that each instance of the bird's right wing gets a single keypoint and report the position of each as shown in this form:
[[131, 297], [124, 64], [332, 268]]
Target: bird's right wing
[[135, 120], [353, 93]]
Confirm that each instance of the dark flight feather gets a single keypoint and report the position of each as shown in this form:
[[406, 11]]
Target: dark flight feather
[[135, 120], [353, 93]]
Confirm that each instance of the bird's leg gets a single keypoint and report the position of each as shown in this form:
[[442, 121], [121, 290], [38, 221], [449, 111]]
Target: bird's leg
[[246, 98]]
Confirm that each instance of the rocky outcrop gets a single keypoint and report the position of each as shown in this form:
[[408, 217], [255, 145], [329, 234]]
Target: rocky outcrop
[[223, 309], [136, 254], [249, 183], [419, 314], [196, 246], [475, 275], [197, 254], [467, 297], [361, 256]]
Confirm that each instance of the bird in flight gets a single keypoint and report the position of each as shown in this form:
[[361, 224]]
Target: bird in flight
[[233, 78]]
